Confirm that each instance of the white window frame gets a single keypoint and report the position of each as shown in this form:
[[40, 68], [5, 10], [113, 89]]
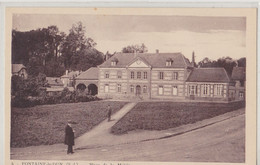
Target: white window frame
[[161, 75], [160, 90], [145, 75], [168, 63], [241, 95], [132, 74], [107, 75], [113, 63], [106, 88], [132, 89], [193, 90], [139, 75], [175, 75], [175, 90], [205, 89], [144, 89], [218, 89]]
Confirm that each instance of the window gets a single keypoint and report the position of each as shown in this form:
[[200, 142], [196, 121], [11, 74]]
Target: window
[[145, 75], [160, 92], [192, 89], [218, 89], [113, 63], [174, 90], [205, 89], [241, 95], [118, 87], [132, 75], [119, 74], [107, 75], [175, 75], [168, 63], [161, 75], [132, 89], [106, 88], [138, 75], [144, 89]]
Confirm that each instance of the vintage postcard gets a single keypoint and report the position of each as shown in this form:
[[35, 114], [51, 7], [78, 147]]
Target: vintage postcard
[[125, 86]]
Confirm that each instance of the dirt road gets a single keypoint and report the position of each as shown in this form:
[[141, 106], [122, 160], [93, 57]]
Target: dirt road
[[220, 142]]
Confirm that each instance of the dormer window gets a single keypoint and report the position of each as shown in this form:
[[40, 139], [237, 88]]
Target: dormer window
[[114, 62], [169, 62]]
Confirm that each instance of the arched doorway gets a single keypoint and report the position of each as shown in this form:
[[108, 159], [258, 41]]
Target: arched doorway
[[81, 87], [138, 90], [92, 89]]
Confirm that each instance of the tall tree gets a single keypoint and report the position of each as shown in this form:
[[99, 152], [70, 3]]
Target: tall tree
[[135, 48], [226, 62], [78, 50], [36, 48]]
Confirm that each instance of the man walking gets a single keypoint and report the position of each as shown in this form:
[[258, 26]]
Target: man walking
[[109, 113], [69, 137]]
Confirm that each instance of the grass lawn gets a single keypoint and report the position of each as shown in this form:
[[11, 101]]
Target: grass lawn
[[45, 124], [165, 115]]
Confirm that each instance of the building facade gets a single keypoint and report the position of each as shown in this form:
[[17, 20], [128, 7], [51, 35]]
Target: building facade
[[237, 89], [168, 76], [144, 76], [208, 84]]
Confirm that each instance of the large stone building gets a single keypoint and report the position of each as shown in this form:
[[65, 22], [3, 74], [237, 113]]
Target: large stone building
[[161, 76]]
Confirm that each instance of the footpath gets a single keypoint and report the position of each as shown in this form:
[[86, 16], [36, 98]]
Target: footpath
[[100, 135]]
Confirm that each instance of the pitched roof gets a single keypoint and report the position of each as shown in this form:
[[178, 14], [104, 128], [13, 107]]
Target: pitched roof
[[156, 60], [71, 74], [90, 74], [238, 73], [17, 67], [54, 81], [208, 75]]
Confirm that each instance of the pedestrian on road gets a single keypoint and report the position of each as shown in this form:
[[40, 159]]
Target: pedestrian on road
[[109, 113], [69, 137]]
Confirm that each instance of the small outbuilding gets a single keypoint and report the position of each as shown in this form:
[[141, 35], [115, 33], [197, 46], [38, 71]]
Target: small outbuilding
[[88, 80], [19, 70], [208, 84]]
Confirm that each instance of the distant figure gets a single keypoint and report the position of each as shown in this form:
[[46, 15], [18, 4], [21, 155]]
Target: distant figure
[[109, 113], [69, 137]]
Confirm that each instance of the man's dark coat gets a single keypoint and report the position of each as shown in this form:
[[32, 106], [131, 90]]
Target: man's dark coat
[[69, 136]]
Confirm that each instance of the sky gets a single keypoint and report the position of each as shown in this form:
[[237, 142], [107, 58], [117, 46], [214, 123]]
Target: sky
[[212, 37]]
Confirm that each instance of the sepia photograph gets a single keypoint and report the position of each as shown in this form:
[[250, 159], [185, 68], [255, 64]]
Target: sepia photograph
[[132, 85]]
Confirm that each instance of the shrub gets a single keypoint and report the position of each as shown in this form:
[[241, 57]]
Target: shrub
[[65, 96]]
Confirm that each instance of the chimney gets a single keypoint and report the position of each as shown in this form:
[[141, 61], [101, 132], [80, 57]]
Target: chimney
[[67, 72], [157, 51], [193, 59], [135, 53]]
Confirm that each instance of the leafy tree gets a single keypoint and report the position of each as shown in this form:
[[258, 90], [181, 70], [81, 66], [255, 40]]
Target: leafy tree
[[135, 48], [226, 62], [36, 48], [87, 58], [242, 62], [51, 52], [54, 68], [75, 43], [27, 87]]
